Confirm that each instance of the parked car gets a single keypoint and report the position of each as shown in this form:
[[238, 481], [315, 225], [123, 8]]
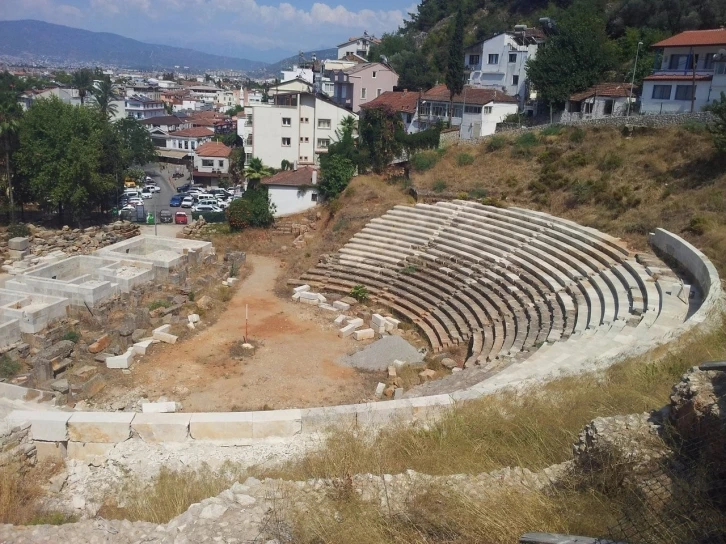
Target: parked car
[[187, 202], [153, 187], [180, 218], [149, 179], [165, 216], [135, 202], [223, 204], [202, 208], [184, 188], [147, 193], [176, 201]]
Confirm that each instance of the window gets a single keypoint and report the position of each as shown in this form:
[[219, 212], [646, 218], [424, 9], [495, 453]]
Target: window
[[323, 143], [515, 80], [207, 162], [708, 61], [186, 144], [363, 93], [472, 109], [512, 57], [314, 197], [375, 74], [304, 120], [458, 111], [662, 92], [286, 142], [180, 144], [720, 68], [487, 110], [493, 59], [379, 92], [474, 60], [681, 62], [194, 145], [304, 140], [221, 164], [684, 92], [248, 157], [323, 123], [286, 121]]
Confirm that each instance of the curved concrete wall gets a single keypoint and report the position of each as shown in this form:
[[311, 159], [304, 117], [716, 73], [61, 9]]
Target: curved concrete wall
[[93, 433]]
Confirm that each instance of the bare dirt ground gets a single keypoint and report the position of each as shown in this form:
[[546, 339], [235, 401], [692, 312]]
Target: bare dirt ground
[[295, 365]]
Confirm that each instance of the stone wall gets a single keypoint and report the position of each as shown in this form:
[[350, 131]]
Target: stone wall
[[16, 446]]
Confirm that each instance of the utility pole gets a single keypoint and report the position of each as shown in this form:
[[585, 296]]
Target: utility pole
[[632, 80]]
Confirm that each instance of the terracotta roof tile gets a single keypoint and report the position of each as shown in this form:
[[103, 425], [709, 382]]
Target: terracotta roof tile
[[213, 149], [471, 95], [399, 101], [603, 89], [292, 178], [715, 36], [194, 132]]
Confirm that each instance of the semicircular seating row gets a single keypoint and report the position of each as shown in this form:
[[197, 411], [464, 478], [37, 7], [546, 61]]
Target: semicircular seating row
[[508, 281]]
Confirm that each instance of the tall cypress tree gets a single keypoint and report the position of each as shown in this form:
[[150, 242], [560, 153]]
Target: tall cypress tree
[[455, 66]]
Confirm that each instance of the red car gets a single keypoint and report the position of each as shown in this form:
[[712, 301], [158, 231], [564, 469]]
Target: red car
[[180, 218]]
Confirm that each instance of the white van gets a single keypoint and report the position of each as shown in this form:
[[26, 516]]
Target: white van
[[207, 202], [132, 193]]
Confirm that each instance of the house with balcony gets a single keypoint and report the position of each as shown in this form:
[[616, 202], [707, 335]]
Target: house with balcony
[[688, 75], [361, 83], [500, 63], [359, 46], [601, 100], [211, 162], [297, 127], [404, 103], [142, 107], [167, 123], [476, 111], [179, 146]]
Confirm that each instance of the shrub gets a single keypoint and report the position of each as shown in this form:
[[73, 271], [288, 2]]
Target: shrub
[[577, 135], [18, 230], [478, 192], [254, 209], [409, 269], [552, 130], [234, 270], [698, 225], [191, 296], [609, 162], [360, 293], [341, 224], [526, 140], [336, 173], [424, 161], [696, 127], [156, 304], [8, 367], [439, 186], [464, 159], [575, 160], [495, 143], [73, 336]]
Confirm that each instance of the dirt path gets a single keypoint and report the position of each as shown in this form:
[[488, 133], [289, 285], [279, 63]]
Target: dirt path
[[296, 364]]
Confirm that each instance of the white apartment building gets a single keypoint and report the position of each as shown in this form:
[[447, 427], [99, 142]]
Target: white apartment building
[[295, 72], [689, 74], [501, 62], [142, 107], [297, 127], [360, 46]]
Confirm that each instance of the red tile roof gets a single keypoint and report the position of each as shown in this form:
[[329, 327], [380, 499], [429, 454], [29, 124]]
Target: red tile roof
[[398, 101], [678, 77], [614, 90], [471, 95], [292, 178], [194, 132], [716, 36], [213, 149]]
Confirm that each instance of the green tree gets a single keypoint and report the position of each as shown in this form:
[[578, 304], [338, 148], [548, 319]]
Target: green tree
[[103, 93], [234, 111], [255, 171], [254, 209], [61, 154], [10, 115], [574, 58], [237, 165], [718, 127], [455, 64], [83, 81], [137, 148], [377, 137], [335, 174]]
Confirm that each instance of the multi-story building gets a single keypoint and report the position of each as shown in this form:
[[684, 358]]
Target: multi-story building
[[297, 127], [689, 74], [501, 62], [211, 162], [361, 83], [144, 89], [142, 107], [360, 46], [405, 103]]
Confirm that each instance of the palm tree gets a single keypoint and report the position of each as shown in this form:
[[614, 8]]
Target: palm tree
[[10, 113], [349, 124], [103, 92], [255, 171], [83, 81]]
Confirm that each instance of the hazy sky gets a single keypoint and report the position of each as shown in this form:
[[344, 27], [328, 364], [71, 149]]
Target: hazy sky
[[255, 29]]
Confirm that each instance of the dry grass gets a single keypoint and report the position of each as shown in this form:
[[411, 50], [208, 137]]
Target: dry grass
[[21, 496], [170, 493], [533, 429]]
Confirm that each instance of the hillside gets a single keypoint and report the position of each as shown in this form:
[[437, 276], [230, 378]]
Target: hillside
[[41, 42]]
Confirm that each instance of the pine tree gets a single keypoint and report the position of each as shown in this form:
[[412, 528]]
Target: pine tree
[[455, 66]]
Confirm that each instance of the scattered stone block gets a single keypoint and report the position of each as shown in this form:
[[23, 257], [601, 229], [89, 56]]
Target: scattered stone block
[[393, 323], [121, 361], [232, 281], [311, 302], [364, 334], [427, 375], [106, 427], [342, 306], [138, 335], [141, 347], [85, 373], [296, 296], [327, 307], [190, 326], [399, 364], [193, 318], [322, 299], [378, 320], [168, 407], [448, 363], [392, 372], [16, 255], [379, 389], [398, 393], [356, 321], [162, 334], [347, 331], [309, 295], [18, 243], [301, 288], [60, 385], [205, 303], [339, 320], [101, 357], [100, 345]]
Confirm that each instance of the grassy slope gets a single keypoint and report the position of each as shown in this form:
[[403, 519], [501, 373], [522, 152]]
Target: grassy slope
[[623, 186]]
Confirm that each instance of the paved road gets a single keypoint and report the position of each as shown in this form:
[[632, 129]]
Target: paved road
[[162, 175]]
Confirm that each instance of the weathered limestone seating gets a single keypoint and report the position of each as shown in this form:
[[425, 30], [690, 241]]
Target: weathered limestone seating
[[513, 284]]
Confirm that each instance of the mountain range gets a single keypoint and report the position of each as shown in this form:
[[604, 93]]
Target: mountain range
[[45, 43]]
